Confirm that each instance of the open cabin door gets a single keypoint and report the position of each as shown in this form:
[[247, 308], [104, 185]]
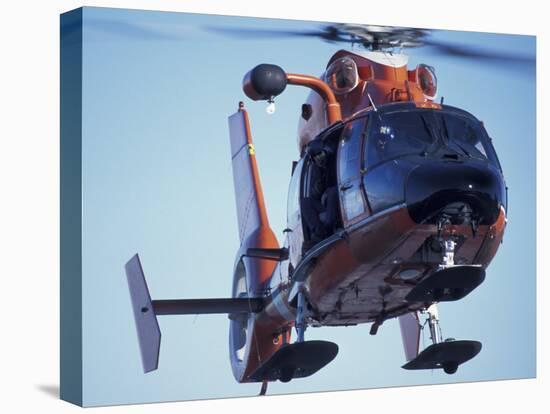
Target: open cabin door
[[294, 226]]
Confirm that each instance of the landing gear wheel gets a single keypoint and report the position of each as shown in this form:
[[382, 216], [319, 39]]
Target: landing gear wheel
[[450, 367], [447, 355], [287, 373], [297, 360]]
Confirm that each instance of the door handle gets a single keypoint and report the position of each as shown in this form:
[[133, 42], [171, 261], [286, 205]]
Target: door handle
[[346, 187]]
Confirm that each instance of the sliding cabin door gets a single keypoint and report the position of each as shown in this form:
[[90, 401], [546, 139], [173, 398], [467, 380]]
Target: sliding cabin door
[[294, 225]]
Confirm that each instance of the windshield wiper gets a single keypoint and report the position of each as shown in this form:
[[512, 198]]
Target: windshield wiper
[[463, 149], [449, 140]]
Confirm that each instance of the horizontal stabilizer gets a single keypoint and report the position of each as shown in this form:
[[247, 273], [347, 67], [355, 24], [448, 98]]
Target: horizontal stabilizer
[[277, 255], [146, 321], [206, 306], [146, 311]]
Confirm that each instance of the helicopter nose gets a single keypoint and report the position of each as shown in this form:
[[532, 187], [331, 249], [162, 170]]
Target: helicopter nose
[[460, 192]]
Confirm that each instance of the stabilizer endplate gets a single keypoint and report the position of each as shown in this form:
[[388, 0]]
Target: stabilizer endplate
[[297, 360], [146, 321], [448, 284], [447, 355], [410, 334]]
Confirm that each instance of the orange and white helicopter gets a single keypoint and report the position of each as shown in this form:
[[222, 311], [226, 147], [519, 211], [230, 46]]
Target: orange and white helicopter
[[397, 202]]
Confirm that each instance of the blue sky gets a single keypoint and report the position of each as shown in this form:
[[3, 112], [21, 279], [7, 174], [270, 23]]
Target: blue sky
[[157, 91]]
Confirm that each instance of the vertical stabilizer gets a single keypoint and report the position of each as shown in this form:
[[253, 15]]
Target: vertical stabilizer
[[251, 211]]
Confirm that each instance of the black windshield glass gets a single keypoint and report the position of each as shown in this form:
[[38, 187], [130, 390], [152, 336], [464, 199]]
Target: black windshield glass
[[426, 133]]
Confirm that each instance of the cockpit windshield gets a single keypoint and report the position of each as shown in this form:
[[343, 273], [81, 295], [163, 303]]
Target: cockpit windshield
[[428, 133]]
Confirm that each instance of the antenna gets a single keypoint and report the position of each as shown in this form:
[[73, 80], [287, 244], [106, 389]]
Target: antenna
[[372, 103]]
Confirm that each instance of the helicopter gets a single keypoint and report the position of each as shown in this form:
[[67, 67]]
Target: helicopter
[[396, 203]]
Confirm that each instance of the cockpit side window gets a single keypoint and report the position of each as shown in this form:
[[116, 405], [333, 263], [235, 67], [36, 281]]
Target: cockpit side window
[[352, 201], [350, 150]]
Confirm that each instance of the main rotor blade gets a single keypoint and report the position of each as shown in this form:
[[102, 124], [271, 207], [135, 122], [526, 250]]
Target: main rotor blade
[[326, 33], [130, 29], [470, 52]]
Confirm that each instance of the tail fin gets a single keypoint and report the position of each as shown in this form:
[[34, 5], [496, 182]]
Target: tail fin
[[410, 334], [251, 211]]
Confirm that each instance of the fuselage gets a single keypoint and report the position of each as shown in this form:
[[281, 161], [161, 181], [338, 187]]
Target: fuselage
[[399, 174], [406, 176]]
